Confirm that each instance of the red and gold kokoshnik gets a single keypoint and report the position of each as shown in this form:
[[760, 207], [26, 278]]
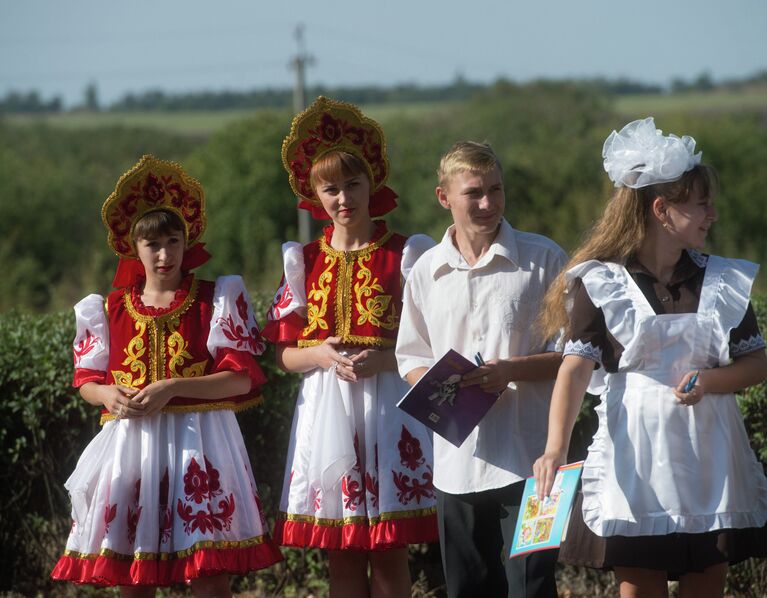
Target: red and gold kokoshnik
[[151, 185], [329, 125]]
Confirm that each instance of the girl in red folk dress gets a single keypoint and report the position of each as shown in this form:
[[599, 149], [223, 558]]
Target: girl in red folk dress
[[164, 493], [359, 470]]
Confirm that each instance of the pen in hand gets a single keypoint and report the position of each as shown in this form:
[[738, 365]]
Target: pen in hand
[[691, 382]]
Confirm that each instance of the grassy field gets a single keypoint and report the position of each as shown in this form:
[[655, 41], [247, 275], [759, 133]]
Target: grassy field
[[198, 123], [204, 123], [636, 106]]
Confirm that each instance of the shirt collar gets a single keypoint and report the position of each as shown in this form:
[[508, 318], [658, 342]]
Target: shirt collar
[[447, 256], [684, 269]]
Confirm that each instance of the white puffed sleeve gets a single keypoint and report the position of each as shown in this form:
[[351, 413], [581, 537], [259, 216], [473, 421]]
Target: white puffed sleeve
[[287, 315], [91, 344], [233, 325], [415, 247]]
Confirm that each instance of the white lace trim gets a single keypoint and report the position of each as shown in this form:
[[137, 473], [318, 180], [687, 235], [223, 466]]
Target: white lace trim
[[747, 345], [582, 349]]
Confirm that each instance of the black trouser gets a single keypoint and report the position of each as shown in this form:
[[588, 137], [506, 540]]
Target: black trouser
[[475, 535]]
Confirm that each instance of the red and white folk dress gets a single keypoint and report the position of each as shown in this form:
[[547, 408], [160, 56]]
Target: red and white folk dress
[[359, 470], [170, 497]]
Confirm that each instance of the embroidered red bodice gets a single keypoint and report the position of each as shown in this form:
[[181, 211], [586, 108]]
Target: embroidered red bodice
[[355, 295], [147, 344]]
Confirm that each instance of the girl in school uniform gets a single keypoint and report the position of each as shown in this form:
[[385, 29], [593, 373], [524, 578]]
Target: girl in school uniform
[[665, 334], [164, 493], [358, 479]]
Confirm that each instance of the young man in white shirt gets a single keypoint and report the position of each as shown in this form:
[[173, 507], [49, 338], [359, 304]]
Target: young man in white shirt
[[479, 290]]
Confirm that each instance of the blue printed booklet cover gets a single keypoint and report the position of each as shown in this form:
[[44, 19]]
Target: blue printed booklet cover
[[542, 524], [438, 401]]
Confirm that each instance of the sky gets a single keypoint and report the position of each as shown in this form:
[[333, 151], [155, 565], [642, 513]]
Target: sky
[[57, 47]]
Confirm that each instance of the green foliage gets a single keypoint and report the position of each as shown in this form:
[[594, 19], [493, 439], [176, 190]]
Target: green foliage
[[52, 185], [44, 427], [250, 204], [753, 401]]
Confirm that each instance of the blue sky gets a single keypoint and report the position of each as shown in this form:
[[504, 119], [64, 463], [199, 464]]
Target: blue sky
[[58, 46]]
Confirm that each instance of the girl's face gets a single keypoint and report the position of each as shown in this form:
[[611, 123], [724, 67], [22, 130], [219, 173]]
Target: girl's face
[[689, 222], [162, 255], [346, 201]]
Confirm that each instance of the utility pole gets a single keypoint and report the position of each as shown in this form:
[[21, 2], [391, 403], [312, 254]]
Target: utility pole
[[299, 63]]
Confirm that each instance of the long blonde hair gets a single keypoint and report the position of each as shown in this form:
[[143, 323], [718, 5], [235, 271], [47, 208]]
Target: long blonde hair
[[618, 235]]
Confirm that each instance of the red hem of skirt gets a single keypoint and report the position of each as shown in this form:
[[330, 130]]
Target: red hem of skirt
[[384, 535], [206, 562]]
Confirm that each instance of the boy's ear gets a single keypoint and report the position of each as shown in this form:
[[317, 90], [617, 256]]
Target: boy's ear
[[442, 197]]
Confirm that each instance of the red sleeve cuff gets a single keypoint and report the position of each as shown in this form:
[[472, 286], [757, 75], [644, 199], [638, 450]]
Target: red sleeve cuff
[[284, 331], [83, 375], [230, 360]]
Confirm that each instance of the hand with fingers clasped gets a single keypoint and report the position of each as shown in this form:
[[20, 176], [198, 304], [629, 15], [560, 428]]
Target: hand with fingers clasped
[[120, 401], [494, 376], [691, 389], [364, 364], [329, 355], [155, 396]]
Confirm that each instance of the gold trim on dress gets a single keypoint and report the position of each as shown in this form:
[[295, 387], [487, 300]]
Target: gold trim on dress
[[370, 521], [157, 325], [374, 307], [209, 406], [343, 298], [353, 339], [169, 556], [315, 313]]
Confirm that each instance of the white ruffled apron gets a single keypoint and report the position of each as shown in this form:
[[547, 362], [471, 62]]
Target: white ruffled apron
[[656, 466]]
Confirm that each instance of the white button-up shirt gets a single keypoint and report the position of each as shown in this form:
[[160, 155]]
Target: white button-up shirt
[[489, 307]]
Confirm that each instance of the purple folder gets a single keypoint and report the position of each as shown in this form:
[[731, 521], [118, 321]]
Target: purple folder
[[440, 404]]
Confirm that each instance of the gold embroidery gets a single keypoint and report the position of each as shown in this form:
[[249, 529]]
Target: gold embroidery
[[315, 313], [390, 516], [374, 307], [134, 352], [344, 285], [177, 351], [208, 406], [156, 326], [353, 339], [167, 556]]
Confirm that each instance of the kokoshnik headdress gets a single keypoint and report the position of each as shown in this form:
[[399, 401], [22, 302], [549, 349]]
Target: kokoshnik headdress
[[640, 155], [329, 125], [149, 186]]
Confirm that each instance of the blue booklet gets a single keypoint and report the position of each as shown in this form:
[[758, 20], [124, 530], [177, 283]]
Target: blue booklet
[[542, 524]]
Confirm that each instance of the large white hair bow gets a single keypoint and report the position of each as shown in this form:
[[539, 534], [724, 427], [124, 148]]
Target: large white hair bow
[[640, 155]]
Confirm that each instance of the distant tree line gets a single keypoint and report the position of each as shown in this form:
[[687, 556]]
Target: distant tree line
[[459, 89], [29, 103]]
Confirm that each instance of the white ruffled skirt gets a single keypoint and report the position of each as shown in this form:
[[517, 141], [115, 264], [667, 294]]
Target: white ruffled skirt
[[359, 470], [162, 500]]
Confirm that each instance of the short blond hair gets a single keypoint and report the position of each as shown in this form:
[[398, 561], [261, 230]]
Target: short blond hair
[[469, 156]]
